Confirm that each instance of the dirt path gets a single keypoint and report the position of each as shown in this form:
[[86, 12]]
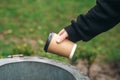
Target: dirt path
[[97, 71]]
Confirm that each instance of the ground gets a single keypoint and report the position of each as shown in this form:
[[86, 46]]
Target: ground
[[25, 25]]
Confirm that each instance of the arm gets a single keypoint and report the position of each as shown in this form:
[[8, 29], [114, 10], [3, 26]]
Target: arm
[[100, 18]]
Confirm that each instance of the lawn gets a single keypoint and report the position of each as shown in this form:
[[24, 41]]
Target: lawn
[[25, 25]]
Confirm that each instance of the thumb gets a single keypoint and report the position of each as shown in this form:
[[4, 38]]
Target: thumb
[[62, 36]]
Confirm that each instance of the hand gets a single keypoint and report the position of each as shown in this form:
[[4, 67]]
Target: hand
[[62, 35]]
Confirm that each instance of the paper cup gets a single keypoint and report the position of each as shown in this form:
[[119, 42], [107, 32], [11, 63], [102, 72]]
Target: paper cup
[[65, 48]]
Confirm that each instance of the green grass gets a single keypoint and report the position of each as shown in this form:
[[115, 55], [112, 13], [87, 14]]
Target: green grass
[[30, 22]]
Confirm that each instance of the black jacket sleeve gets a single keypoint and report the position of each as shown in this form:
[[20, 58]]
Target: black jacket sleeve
[[102, 17]]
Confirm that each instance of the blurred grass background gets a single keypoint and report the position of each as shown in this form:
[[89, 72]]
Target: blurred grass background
[[25, 25]]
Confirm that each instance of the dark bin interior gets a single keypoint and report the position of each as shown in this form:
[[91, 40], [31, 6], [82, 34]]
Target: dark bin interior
[[33, 71]]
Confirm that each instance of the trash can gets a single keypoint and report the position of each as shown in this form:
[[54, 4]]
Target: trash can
[[38, 68]]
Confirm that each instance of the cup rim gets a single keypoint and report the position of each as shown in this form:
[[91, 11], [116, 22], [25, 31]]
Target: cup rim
[[48, 41]]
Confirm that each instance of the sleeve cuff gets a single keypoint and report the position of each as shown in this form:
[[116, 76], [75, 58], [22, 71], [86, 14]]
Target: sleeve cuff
[[72, 34]]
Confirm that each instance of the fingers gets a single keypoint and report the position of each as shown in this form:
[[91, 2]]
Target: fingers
[[61, 38], [62, 35], [61, 32]]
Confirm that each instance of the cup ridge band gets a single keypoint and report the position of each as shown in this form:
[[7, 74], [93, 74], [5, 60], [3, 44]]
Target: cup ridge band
[[73, 51], [48, 41]]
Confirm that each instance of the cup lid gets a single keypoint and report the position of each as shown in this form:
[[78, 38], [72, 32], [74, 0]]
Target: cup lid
[[48, 41]]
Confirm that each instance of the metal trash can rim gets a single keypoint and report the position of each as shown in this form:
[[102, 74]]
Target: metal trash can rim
[[78, 75]]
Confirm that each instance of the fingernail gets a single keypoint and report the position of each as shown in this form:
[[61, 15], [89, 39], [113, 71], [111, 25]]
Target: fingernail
[[58, 40]]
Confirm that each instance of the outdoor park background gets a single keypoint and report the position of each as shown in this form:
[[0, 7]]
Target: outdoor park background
[[25, 25]]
